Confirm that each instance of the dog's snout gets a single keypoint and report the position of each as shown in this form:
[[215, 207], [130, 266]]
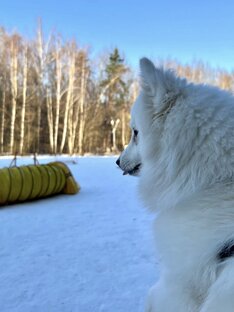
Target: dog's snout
[[118, 161]]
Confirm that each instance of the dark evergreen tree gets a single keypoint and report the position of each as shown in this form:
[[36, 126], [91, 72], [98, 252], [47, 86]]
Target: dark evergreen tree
[[114, 93]]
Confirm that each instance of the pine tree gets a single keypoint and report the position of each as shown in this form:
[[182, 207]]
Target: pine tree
[[114, 91]]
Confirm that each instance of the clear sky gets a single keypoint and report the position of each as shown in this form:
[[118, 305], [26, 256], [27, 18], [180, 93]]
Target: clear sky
[[180, 29]]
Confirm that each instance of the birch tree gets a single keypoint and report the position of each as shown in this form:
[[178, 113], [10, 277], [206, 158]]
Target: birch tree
[[82, 99], [24, 98], [114, 125], [50, 119], [14, 88], [42, 61], [3, 109], [40, 74], [58, 63], [69, 95]]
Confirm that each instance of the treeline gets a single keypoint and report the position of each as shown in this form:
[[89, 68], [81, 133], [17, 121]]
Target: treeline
[[55, 99]]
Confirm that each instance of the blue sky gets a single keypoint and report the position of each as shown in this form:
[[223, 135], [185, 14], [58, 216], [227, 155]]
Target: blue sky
[[184, 30]]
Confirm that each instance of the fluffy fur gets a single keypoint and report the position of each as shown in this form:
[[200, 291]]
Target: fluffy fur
[[182, 148]]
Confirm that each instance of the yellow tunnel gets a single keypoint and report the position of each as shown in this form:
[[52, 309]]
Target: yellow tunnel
[[23, 183]]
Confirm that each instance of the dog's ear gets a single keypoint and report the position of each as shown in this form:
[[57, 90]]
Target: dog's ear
[[151, 77], [162, 86]]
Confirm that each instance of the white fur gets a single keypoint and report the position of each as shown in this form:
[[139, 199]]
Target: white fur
[[185, 143]]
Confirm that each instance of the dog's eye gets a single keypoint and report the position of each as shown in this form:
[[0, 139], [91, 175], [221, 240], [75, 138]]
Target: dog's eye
[[135, 132]]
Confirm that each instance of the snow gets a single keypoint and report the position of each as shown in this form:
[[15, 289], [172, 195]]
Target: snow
[[88, 252]]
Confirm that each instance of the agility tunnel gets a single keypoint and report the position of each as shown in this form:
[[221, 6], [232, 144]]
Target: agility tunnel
[[22, 183]]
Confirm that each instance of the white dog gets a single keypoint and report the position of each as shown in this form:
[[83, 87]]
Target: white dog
[[182, 148]]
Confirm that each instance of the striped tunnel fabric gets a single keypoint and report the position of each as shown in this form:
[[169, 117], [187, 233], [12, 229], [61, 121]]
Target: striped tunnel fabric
[[23, 183]]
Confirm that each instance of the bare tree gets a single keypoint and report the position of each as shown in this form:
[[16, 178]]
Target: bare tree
[[41, 63], [24, 98], [50, 119], [69, 95], [82, 111], [14, 87], [114, 125], [58, 63], [3, 109]]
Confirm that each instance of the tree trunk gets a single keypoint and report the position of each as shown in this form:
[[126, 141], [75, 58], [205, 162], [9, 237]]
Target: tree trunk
[[3, 120], [40, 69], [68, 100], [58, 96], [50, 120], [82, 112], [22, 126], [114, 124], [14, 93], [71, 126], [123, 128]]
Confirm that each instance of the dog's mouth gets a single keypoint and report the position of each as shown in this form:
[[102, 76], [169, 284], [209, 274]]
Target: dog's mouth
[[134, 171]]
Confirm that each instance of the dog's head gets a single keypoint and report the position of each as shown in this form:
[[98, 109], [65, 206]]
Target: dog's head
[[159, 92]]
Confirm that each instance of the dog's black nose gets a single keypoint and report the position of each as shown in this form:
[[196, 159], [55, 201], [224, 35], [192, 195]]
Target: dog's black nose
[[118, 161]]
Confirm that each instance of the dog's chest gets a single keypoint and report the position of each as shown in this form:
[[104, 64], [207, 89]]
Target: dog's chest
[[185, 240]]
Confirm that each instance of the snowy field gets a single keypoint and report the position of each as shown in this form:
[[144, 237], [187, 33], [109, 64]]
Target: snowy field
[[88, 252]]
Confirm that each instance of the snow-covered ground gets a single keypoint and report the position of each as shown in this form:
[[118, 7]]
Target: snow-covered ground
[[88, 252]]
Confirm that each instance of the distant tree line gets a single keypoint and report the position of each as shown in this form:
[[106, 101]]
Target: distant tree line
[[55, 99]]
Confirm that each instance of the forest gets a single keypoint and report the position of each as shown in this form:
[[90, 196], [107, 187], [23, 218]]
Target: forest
[[55, 98]]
